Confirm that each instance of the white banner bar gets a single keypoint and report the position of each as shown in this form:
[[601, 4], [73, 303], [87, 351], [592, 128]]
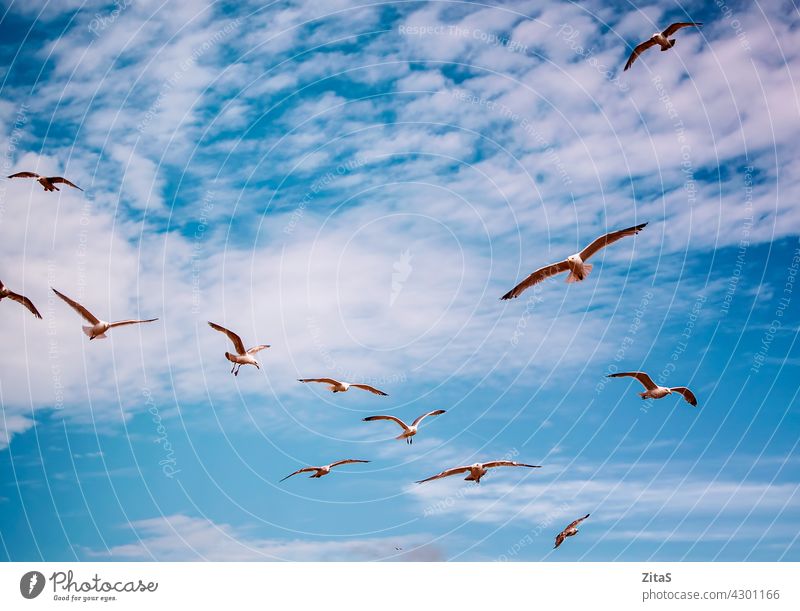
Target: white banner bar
[[390, 586]]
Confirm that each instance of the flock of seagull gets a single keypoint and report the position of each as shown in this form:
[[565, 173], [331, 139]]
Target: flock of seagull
[[576, 265]]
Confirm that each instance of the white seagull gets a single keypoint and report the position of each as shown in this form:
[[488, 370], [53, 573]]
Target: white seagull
[[325, 469], [408, 431], [48, 182], [653, 390], [337, 386], [575, 264], [569, 531], [478, 470], [242, 356], [98, 328], [662, 39], [4, 292]]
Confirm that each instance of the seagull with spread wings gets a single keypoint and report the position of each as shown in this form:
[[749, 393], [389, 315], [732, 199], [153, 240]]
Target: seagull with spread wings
[[325, 469], [242, 356], [569, 531], [48, 182], [97, 328], [575, 264], [478, 470], [408, 431], [6, 293], [337, 386], [662, 39], [653, 390]]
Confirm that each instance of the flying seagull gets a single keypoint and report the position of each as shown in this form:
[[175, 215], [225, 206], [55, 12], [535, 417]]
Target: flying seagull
[[337, 386], [408, 431], [4, 292], [324, 470], [575, 264], [478, 470], [98, 328], [661, 39], [653, 390], [48, 182], [242, 356], [569, 531]]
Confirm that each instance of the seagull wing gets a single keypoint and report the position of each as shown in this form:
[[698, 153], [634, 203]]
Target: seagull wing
[[255, 349], [392, 418], [687, 394], [371, 389], [447, 473], [645, 379], [237, 341], [536, 277], [436, 412], [61, 179], [86, 314], [576, 522], [347, 461], [24, 301], [508, 463], [303, 470], [677, 26], [122, 323], [638, 51], [25, 175], [609, 238], [560, 539]]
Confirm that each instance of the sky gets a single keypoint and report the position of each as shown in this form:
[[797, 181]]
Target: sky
[[356, 184]]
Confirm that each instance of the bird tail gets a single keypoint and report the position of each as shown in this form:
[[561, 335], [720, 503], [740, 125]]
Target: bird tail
[[585, 271], [87, 330], [229, 356]]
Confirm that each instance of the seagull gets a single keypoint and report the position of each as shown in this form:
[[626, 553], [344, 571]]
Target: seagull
[[337, 386], [98, 328], [242, 356], [478, 470], [662, 39], [4, 292], [575, 264], [408, 431], [569, 531], [653, 390], [48, 182], [324, 470]]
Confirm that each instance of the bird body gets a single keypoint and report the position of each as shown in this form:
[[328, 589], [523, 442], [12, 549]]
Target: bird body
[[653, 390], [47, 182], [569, 531], [661, 39], [242, 356], [97, 328], [409, 430], [574, 264], [477, 470], [337, 386]]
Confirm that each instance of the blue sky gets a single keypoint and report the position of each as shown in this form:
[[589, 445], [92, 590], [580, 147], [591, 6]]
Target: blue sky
[[356, 184]]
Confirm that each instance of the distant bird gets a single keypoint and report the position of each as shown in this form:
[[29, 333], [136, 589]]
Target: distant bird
[[575, 264], [324, 470], [98, 328], [48, 182], [661, 39], [408, 431], [653, 390], [478, 470], [337, 386], [4, 292], [242, 356], [569, 531]]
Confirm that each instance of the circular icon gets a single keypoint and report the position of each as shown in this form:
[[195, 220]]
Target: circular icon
[[31, 584]]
